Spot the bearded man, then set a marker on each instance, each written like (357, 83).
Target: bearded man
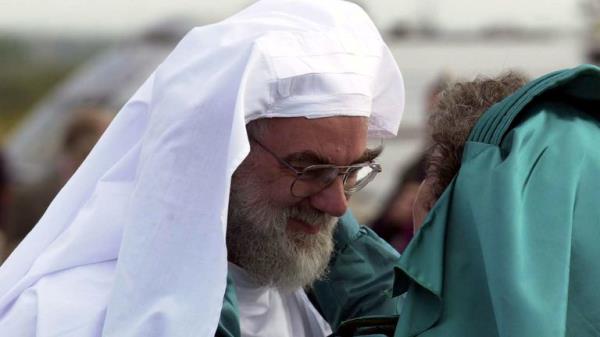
(286, 198)
(508, 211)
(284, 211)
(216, 201)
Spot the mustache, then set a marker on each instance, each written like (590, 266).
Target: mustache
(311, 216)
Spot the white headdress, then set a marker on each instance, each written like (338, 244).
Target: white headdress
(134, 244)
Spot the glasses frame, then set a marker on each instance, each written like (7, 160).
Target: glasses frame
(343, 171)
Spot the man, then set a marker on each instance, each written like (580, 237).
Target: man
(285, 201)
(255, 127)
(508, 212)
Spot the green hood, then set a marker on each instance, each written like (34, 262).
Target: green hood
(512, 247)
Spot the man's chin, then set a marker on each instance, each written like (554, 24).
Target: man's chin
(285, 248)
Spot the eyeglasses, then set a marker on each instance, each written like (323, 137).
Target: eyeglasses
(315, 178)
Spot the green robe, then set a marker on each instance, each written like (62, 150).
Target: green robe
(358, 285)
(512, 247)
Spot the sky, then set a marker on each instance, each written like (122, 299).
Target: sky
(127, 16)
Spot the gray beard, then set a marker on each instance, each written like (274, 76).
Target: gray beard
(259, 242)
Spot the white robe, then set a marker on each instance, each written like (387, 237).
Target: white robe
(269, 312)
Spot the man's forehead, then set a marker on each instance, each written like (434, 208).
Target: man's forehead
(312, 158)
(336, 140)
(326, 125)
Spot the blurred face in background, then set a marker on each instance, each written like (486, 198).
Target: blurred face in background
(80, 137)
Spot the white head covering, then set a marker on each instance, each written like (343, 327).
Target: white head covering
(134, 244)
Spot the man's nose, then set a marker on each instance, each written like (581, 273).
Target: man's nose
(331, 200)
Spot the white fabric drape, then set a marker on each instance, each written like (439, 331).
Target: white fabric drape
(134, 244)
(269, 312)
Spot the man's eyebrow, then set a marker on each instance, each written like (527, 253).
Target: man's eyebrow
(308, 157)
(369, 155)
(312, 158)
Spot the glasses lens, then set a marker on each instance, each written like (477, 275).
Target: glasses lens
(313, 179)
(359, 177)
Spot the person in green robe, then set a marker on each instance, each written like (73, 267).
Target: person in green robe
(509, 238)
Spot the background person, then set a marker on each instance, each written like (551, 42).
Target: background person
(395, 223)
